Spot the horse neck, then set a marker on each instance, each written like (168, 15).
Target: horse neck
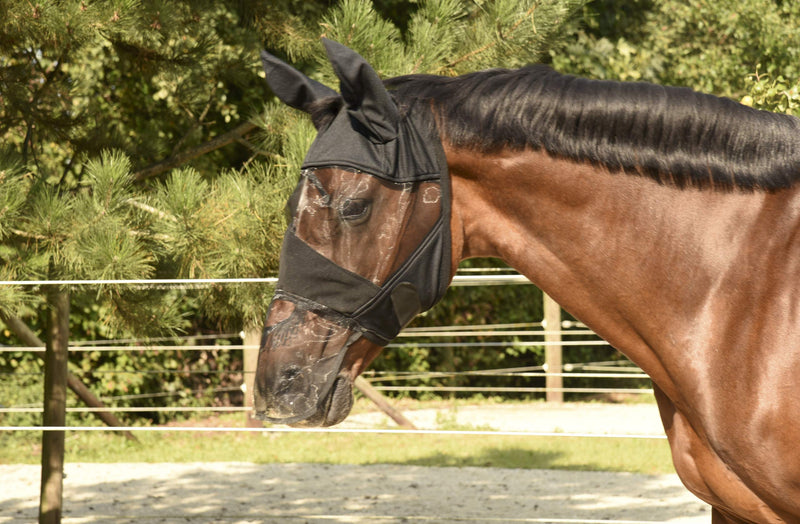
(621, 252)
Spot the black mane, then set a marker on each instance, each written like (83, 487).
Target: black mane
(674, 135)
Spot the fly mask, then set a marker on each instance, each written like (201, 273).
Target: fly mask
(368, 247)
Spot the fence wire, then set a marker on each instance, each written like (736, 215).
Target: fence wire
(381, 381)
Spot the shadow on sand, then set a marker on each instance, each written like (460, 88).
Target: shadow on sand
(245, 492)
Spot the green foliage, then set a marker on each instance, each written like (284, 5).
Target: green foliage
(146, 78)
(12, 198)
(451, 36)
(230, 227)
(21, 386)
(712, 46)
(91, 94)
(357, 25)
(102, 239)
(95, 231)
(778, 95)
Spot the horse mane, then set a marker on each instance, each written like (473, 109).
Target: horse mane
(673, 135)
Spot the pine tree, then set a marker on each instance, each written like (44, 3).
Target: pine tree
(149, 81)
(113, 118)
(90, 94)
(139, 140)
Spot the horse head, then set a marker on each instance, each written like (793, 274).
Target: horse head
(368, 246)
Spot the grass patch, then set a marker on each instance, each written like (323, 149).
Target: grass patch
(571, 453)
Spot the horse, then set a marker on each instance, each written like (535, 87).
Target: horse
(666, 220)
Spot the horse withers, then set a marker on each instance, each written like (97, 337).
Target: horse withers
(665, 219)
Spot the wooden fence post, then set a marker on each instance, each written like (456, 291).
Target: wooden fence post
(251, 339)
(55, 406)
(553, 350)
(379, 400)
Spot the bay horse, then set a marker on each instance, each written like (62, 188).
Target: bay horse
(666, 220)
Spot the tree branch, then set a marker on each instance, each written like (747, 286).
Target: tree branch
(453, 63)
(27, 336)
(190, 154)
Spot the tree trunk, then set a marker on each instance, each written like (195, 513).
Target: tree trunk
(55, 405)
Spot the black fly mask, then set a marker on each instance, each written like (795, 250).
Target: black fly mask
(368, 246)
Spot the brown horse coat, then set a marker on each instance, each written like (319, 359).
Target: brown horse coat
(664, 219)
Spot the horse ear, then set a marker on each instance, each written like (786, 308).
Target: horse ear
(292, 87)
(367, 99)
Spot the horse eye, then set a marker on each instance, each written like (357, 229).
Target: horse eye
(355, 211)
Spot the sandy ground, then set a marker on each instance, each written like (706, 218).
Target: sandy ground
(310, 493)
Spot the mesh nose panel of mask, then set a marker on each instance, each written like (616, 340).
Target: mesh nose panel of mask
(302, 352)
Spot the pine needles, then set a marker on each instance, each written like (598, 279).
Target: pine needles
(91, 92)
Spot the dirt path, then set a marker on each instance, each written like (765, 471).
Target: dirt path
(311, 493)
(245, 493)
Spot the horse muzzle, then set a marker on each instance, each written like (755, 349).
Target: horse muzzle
(299, 377)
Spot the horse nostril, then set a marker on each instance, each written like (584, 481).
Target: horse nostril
(291, 372)
(287, 380)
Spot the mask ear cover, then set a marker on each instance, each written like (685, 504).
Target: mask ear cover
(367, 100)
(292, 87)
